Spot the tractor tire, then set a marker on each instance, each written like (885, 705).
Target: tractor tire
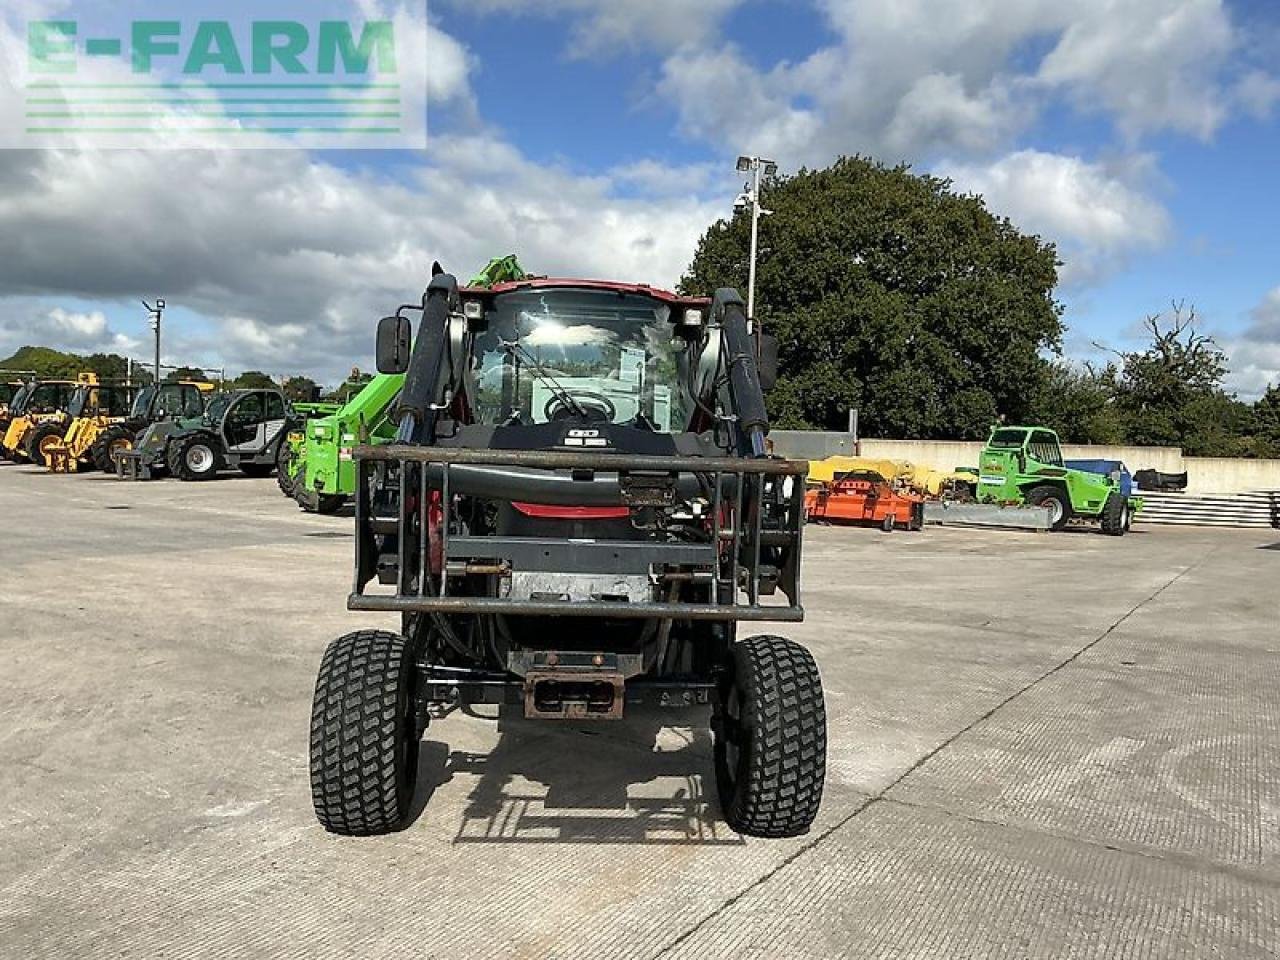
(364, 735)
(284, 469)
(195, 457)
(1115, 516)
(1056, 501)
(42, 437)
(771, 739)
(257, 469)
(113, 440)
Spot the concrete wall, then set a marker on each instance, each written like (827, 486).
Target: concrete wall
(1223, 475)
(1205, 474)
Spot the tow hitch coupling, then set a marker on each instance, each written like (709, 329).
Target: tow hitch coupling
(575, 686)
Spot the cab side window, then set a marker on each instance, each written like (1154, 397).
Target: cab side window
(248, 410)
(192, 404)
(1044, 447)
(274, 407)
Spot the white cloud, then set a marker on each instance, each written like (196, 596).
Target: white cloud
(1257, 92)
(29, 322)
(293, 260)
(1094, 216)
(1152, 64)
(916, 79)
(1255, 354)
(602, 27)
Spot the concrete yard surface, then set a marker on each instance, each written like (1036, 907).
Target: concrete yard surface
(1041, 745)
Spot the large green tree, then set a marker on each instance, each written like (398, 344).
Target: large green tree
(892, 293)
(253, 380)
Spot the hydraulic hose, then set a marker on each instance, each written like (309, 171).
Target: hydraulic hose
(416, 408)
(744, 374)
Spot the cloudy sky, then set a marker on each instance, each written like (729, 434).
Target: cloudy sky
(597, 138)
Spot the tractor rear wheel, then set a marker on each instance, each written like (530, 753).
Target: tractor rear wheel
(42, 440)
(1055, 500)
(364, 735)
(113, 440)
(1115, 516)
(195, 457)
(771, 739)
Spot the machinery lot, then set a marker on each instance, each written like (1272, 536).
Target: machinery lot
(1040, 745)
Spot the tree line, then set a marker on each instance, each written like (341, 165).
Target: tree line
(893, 294)
(58, 365)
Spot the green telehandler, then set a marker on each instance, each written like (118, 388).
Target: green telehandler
(315, 466)
(1024, 467)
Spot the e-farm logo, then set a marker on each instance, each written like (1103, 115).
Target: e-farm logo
(248, 82)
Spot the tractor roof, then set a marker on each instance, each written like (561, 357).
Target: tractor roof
(564, 283)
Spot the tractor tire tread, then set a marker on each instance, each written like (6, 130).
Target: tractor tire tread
(1113, 516)
(357, 785)
(782, 784)
(100, 452)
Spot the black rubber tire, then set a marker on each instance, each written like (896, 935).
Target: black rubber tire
(257, 469)
(888, 523)
(39, 436)
(312, 501)
(1114, 516)
(1040, 496)
(773, 786)
(176, 457)
(114, 438)
(364, 735)
(284, 466)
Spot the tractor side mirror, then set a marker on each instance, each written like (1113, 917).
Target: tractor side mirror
(394, 336)
(768, 361)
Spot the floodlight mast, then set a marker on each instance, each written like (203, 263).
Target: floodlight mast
(156, 314)
(758, 168)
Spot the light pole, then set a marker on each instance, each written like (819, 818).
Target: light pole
(750, 196)
(156, 314)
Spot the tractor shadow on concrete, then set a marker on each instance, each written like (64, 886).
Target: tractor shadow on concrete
(647, 779)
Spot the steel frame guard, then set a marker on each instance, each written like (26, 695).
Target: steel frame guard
(409, 600)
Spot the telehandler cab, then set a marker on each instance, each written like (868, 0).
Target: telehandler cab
(240, 430)
(92, 412)
(154, 404)
(42, 403)
(576, 514)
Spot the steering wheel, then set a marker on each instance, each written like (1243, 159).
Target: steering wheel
(597, 407)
